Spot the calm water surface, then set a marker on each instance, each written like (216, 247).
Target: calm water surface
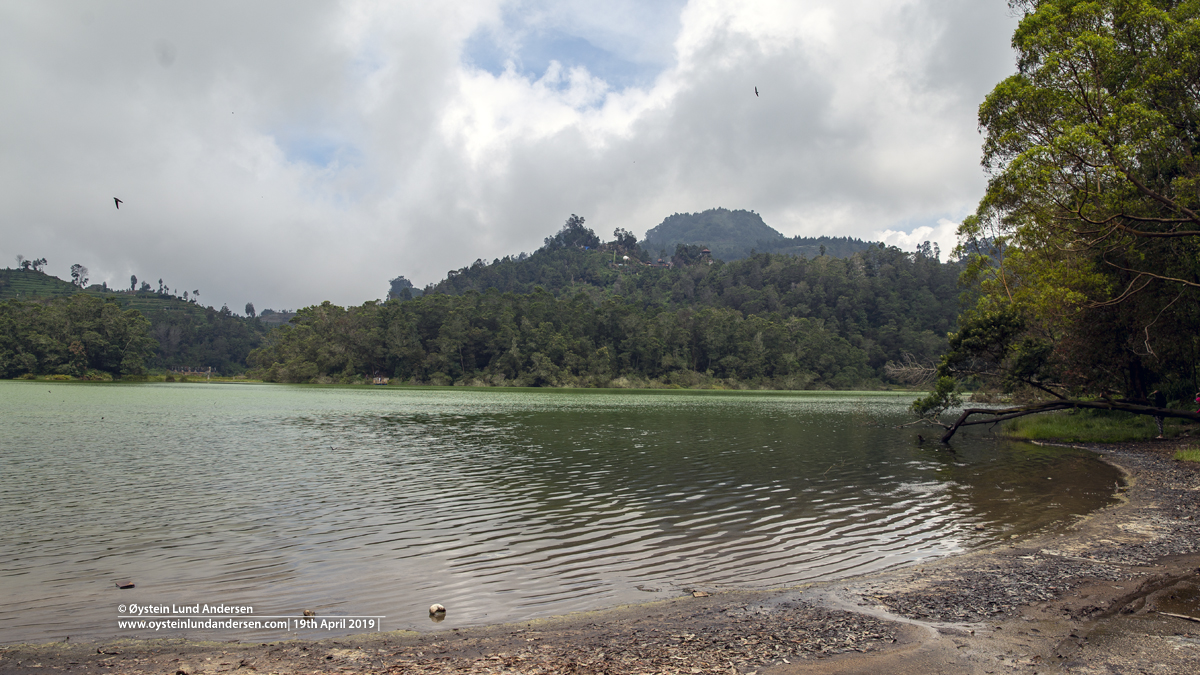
(501, 505)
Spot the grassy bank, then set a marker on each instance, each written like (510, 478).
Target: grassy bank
(1093, 426)
(154, 377)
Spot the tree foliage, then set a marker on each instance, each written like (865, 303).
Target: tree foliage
(79, 275)
(80, 336)
(397, 286)
(574, 234)
(1085, 245)
(201, 337)
(765, 321)
(27, 264)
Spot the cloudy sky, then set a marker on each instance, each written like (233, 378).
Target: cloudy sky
(286, 153)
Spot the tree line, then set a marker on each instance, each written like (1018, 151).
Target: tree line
(570, 316)
(182, 332)
(78, 336)
(578, 312)
(90, 336)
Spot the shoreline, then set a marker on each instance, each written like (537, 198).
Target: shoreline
(1103, 594)
(888, 390)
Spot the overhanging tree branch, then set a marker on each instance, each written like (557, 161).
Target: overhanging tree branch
(1001, 414)
(1151, 274)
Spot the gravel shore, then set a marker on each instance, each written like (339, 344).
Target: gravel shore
(1116, 592)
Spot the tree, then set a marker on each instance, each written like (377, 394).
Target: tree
(77, 336)
(132, 282)
(574, 234)
(206, 338)
(20, 261)
(1085, 249)
(79, 275)
(625, 240)
(38, 264)
(249, 308)
(1091, 144)
(397, 287)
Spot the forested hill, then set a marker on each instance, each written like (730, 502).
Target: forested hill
(771, 321)
(563, 271)
(732, 235)
(180, 333)
(575, 259)
(579, 312)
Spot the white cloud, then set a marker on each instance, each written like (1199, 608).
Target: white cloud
(943, 234)
(287, 153)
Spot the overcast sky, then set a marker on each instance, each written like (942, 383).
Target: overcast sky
(286, 153)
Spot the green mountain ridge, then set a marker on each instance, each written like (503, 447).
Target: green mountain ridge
(575, 259)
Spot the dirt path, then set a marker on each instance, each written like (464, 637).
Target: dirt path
(1103, 596)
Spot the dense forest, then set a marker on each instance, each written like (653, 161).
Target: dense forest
(78, 336)
(202, 337)
(567, 263)
(183, 333)
(577, 313)
(572, 260)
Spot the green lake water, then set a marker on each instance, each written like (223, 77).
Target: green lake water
(499, 504)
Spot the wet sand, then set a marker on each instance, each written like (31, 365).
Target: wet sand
(1115, 592)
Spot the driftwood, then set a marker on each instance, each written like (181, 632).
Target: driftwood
(1001, 414)
(1181, 616)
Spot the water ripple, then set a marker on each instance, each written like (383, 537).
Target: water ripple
(500, 505)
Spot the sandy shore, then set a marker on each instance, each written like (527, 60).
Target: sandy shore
(1112, 593)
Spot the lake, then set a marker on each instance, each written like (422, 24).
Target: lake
(499, 504)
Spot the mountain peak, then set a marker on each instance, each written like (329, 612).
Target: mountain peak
(734, 234)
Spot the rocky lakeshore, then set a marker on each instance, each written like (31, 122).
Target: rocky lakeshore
(1115, 592)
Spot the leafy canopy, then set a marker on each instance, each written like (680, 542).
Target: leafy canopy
(1085, 245)
(573, 234)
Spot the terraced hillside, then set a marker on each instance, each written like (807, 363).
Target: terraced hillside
(30, 285)
(189, 335)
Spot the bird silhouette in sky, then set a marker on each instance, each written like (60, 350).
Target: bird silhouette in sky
(117, 202)
(756, 91)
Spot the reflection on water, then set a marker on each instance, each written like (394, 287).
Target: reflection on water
(500, 505)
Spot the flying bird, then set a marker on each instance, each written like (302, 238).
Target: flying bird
(117, 202)
(756, 91)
